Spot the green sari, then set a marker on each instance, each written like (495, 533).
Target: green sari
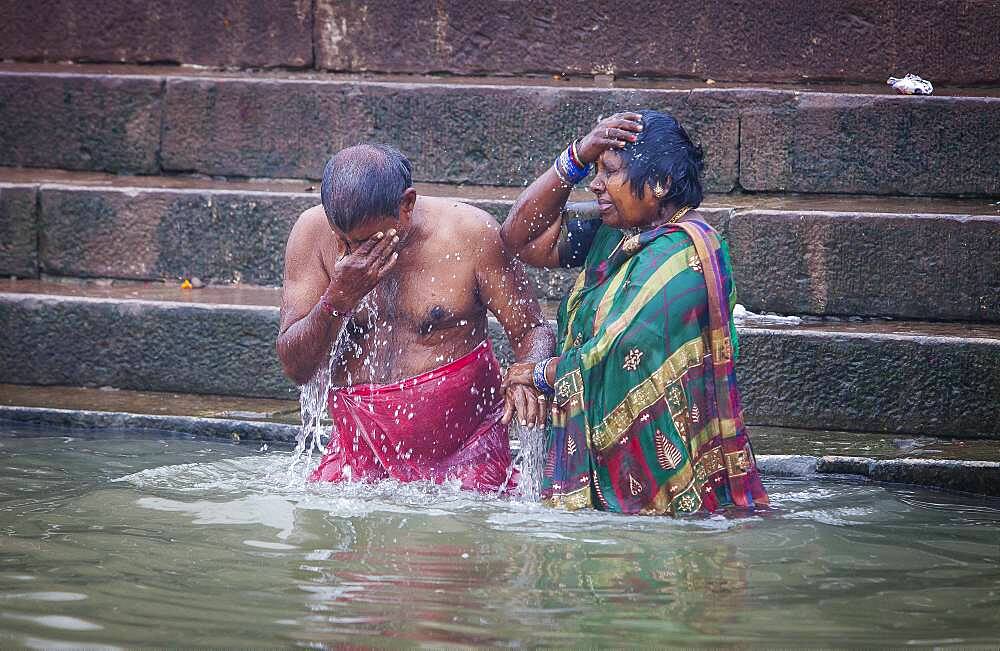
(648, 417)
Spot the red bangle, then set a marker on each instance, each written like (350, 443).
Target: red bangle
(328, 308)
(575, 156)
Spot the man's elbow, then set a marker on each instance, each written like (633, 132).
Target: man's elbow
(289, 368)
(539, 334)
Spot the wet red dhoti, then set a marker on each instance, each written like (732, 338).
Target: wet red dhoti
(440, 425)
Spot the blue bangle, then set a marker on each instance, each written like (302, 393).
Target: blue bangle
(567, 168)
(538, 377)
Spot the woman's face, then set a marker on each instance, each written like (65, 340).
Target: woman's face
(619, 207)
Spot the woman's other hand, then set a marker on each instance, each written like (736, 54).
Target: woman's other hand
(521, 397)
(610, 133)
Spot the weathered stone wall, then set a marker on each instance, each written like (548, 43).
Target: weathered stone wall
(950, 42)
(204, 32)
(726, 40)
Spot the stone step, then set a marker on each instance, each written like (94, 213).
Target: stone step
(151, 403)
(916, 378)
(158, 120)
(75, 406)
(910, 258)
(777, 40)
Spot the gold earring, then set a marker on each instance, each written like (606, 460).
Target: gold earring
(658, 190)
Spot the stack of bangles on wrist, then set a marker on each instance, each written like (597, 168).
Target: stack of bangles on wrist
(538, 377)
(569, 168)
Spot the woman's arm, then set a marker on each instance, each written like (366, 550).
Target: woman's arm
(533, 227)
(531, 230)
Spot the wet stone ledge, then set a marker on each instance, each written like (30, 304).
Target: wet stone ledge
(813, 379)
(231, 429)
(980, 477)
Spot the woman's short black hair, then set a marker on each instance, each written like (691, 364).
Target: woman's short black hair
(363, 183)
(664, 150)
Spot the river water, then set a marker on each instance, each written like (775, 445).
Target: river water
(127, 539)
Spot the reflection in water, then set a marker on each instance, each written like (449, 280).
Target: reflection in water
(152, 541)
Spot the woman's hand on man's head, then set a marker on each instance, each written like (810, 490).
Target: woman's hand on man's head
(610, 133)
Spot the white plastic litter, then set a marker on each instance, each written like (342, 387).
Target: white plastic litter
(911, 85)
(742, 316)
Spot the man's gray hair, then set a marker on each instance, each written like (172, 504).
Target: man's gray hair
(364, 183)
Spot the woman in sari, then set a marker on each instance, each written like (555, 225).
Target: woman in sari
(646, 415)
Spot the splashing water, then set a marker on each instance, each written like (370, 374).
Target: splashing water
(312, 406)
(532, 451)
(316, 432)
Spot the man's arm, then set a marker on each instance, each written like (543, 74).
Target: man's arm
(506, 292)
(314, 302)
(306, 333)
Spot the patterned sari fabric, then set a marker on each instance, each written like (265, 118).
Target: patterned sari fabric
(648, 416)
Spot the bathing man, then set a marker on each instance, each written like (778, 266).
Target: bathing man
(409, 280)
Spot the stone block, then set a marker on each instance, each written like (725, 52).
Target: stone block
(80, 122)
(841, 465)
(873, 145)
(871, 382)
(223, 428)
(217, 236)
(210, 33)
(786, 465)
(480, 134)
(147, 345)
(18, 231)
(935, 267)
(726, 40)
(982, 477)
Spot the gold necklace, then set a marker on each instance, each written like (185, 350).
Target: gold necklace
(631, 242)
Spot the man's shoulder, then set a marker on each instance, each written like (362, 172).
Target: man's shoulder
(310, 238)
(310, 228)
(312, 219)
(462, 223)
(457, 214)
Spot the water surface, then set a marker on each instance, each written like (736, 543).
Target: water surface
(136, 539)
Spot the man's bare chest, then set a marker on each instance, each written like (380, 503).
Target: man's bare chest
(422, 300)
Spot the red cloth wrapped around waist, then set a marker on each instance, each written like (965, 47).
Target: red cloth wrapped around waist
(442, 424)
